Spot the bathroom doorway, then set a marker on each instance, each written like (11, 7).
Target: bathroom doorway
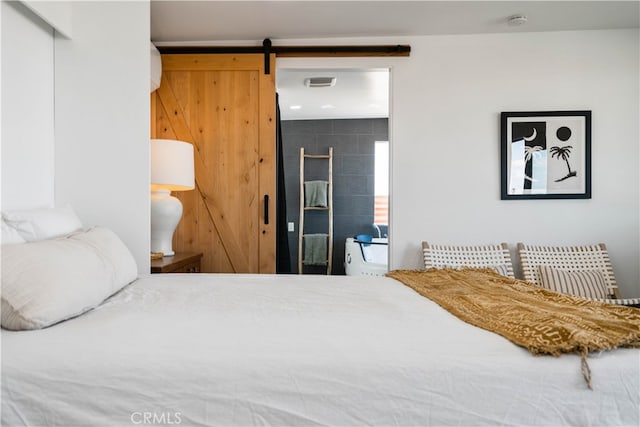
(347, 109)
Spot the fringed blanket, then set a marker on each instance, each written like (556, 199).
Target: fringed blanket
(542, 321)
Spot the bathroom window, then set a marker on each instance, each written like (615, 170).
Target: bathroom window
(381, 183)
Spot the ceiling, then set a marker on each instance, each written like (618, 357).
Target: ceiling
(190, 21)
(249, 22)
(357, 93)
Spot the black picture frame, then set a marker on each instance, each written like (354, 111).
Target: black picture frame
(545, 155)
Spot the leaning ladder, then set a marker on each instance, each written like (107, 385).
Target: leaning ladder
(304, 209)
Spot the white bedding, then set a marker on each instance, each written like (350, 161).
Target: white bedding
(244, 350)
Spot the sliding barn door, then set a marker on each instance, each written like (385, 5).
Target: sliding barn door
(225, 106)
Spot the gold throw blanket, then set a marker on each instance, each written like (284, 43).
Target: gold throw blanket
(542, 321)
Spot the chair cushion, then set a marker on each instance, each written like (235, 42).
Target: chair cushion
(501, 269)
(587, 284)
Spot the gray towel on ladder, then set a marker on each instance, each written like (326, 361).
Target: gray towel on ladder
(315, 194)
(315, 249)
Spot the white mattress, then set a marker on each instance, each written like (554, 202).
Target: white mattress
(245, 350)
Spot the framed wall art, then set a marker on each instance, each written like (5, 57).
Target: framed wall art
(546, 155)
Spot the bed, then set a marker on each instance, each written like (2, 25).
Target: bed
(244, 350)
(85, 342)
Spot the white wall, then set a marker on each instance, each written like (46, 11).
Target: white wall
(445, 139)
(55, 13)
(27, 109)
(446, 128)
(102, 120)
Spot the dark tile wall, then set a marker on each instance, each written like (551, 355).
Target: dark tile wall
(353, 142)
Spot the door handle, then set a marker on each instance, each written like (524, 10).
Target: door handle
(266, 209)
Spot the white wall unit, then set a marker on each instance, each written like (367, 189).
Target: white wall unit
(102, 120)
(445, 139)
(27, 109)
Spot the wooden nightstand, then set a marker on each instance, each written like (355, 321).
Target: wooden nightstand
(181, 262)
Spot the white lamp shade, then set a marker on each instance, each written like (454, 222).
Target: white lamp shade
(171, 165)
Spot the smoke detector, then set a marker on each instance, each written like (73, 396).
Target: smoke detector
(320, 81)
(517, 20)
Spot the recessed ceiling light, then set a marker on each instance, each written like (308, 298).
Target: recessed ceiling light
(517, 20)
(295, 107)
(327, 106)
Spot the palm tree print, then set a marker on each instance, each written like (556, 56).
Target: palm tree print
(563, 153)
(528, 155)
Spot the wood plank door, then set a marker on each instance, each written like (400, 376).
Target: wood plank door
(225, 106)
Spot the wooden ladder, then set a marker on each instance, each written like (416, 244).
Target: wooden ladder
(304, 209)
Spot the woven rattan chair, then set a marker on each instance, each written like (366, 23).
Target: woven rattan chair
(444, 256)
(572, 259)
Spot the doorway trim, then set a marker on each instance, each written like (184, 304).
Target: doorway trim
(356, 63)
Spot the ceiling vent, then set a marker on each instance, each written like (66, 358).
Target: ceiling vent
(320, 81)
(517, 20)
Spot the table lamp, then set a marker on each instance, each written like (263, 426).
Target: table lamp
(171, 170)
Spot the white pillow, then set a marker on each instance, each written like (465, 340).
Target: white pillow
(44, 223)
(10, 235)
(52, 280)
